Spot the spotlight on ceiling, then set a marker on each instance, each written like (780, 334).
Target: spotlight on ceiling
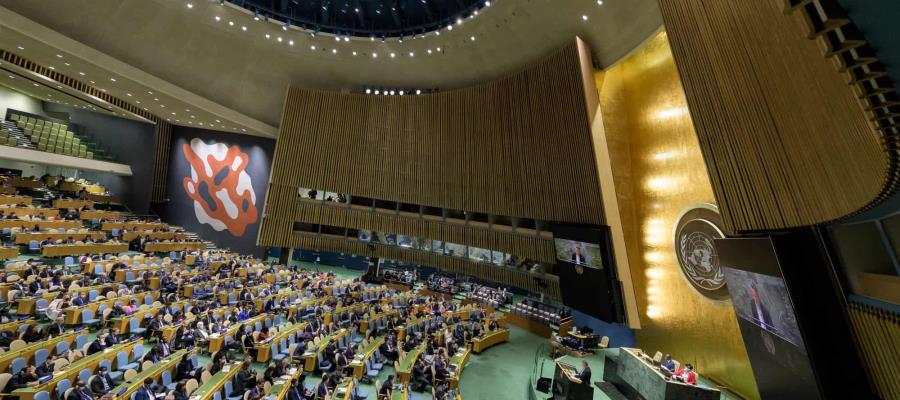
(368, 91)
(285, 26)
(377, 91)
(189, 5)
(418, 91)
(401, 93)
(256, 16)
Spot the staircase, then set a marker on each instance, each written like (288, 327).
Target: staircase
(193, 236)
(16, 133)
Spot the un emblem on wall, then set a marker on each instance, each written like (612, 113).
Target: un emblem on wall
(695, 234)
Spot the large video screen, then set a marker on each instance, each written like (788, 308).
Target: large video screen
(579, 253)
(587, 277)
(766, 318)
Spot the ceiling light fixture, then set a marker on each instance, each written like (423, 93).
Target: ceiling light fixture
(354, 54)
(411, 54)
(333, 51)
(418, 91)
(189, 5)
(368, 91)
(279, 39)
(285, 26)
(584, 17)
(377, 91)
(313, 47)
(243, 28)
(218, 18)
(393, 55)
(291, 42)
(230, 23)
(472, 38)
(20, 47)
(59, 56)
(81, 73)
(112, 79)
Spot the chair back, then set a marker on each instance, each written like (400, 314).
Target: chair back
(62, 386)
(42, 395)
(129, 374)
(4, 379)
(60, 363)
(17, 344)
(17, 365)
(146, 365)
(191, 386)
(205, 376)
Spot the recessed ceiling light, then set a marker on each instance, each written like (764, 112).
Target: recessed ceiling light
(243, 28)
(418, 91)
(487, 3)
(112, 79)
(93, 83)
(218, 121)
(279, 39)
(20, 47)
(67, 64)
(401, 93)
(374, 55)
(291, 42)
(268, 36)
(162, 106)
(137, 102)
(189, 5)
(346, 38)
(438, 49)
(244, 130)
(429, 51)
(393, 55)
(312, 47)
(230, 23)
(155, 99)
(128, 94)
(368, 91)
(584, 17)
(333, 51)
(599, 2)
(411, 54)
(337, 38)
(81, 73)
(59, 56)
(354, 54)
(173, 113)
(472, 38)
(149, 92)
(51, 68)
(218, 18)
(193, 116)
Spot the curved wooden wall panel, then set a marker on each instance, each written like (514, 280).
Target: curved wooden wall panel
(783, 136)
(520, 146)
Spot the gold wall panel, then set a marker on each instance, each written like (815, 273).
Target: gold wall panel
(785, 138)
(659, 171)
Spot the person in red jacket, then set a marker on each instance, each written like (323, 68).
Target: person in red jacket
(686, 374)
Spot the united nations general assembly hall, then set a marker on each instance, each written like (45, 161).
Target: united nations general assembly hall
(449, 200)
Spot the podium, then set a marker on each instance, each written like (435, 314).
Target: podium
(567, 386)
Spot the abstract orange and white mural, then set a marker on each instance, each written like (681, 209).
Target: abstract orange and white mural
(220, 187)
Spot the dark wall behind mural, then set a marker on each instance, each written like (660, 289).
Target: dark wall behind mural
(180, 209)
(129, 142)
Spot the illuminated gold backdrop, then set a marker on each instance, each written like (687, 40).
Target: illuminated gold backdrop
(659, 171)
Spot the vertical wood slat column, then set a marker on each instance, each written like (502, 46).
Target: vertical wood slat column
(783, 135)
(161, 165)
(878, 334)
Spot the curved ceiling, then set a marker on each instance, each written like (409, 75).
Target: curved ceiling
(220, 54)
(380, 18)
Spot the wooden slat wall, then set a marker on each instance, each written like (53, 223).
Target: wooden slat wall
(784, 138)
(507, 276)
(161, 165)
(878, 335)
(519, 146)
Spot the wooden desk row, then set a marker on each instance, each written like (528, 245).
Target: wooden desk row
(217, 382)
(87, 248)
(26, 237)
(404, 370)
(21, 211)
(154, 247)
(73, 314)
(99, 214)
(30, 224)
(28, 305)
(310, 356)
(122, 323)
(133, 226)
(125, 389)
(217, 340)
(264, 350)
(28, 351)
(5, 199)
(8, 253)
(72, 203)
(490, 339)
(71, 371)
(167, 235)
(359, 361)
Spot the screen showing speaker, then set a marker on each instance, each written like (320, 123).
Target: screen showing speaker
(587, 277)
(766, 318)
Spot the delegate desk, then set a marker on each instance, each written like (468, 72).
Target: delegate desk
(216, 340)
(71, 371)
(310, 357)
(72, 315)
(217, 382)
(125, 389)
(76, 187)
(143, 314)
(281, 386)
(72, 203)
(133, 226)
(20, 211)
(457, 363)
(168, 330)
(12, 327)
(24, 183)
(99, 214)
(172, 246)
(86, 248)
(635, 375)
(28, 305)
(489, 339)
(264, 349)
(15, 199)
(7, 253)
(167, 235)
(343, 390)
(359, 360)
(404, 370)
(26, 237)
(28, 351)
(28, 225)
